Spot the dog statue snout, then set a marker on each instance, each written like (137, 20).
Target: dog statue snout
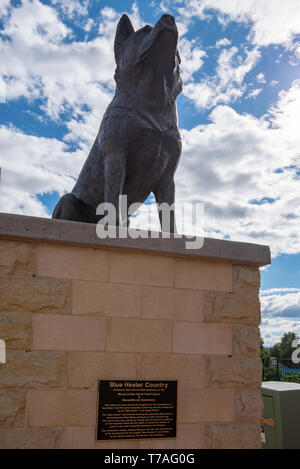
(170, 20)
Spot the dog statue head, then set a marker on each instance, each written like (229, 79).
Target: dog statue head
(148, 62)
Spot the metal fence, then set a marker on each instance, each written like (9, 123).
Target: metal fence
(277, 369)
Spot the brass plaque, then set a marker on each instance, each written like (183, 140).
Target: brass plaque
(136, 409)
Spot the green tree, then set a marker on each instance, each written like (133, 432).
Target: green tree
(283, 352)
(287, 349)
(264, 353)
(275, 351)
(265, 358)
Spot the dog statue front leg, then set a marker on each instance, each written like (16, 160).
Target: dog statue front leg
(114, 176)
(165, 198)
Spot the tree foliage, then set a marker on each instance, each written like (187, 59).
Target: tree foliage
(282, 351)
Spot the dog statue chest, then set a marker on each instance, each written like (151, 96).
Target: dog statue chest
(153, 150)
(145, 135)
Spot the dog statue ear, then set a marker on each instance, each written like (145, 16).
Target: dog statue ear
(124, 30)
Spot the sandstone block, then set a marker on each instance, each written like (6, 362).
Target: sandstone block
(12, 408)
(31, 438)
(141, 269)
(247, 274)
(201, 338)
(171, 303)
(232, 436)
(188, 370)
(15, 329)
(246, 341)
(232, 308)
(199, 405)
(67, 332)
(203, 275)
(61, 407)
(138, 335)
(86, 368)
(33, 369)
(72, 262)
(230, 372)
(248, 405)
(246, 279)
(106, 299)
(34, 295)
(17, 258)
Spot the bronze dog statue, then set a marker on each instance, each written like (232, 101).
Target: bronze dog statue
(138, 145)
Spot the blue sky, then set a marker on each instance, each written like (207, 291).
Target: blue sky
(238, 114)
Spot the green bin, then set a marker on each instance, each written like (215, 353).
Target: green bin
(280, 424)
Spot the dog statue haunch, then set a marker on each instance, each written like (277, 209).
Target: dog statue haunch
(138, 145)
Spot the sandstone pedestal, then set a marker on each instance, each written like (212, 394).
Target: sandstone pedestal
(75, 309)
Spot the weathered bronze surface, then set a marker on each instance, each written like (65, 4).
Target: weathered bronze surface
(138, 145)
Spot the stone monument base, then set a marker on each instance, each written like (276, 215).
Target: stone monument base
(76, 309)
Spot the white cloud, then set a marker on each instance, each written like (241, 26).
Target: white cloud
(34, 24)
(276, 303)
(297, 50)
(280, 314)
(232, 68)
(261, 78)
(227, 84)
(271, 22)
(4, 7)
(272, 329)
(37, 63)
(222, 42)
(233, 166)
(72, 8)
(31, 165)
(191, 58)
(254, 93)
(279, 290)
